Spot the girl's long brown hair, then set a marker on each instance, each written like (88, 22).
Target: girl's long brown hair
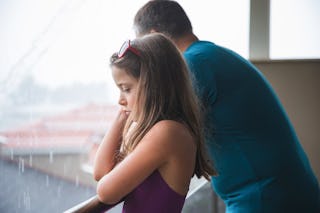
(164, 93)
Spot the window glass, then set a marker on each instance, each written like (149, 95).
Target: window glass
(225, 23)
(294, 29)
(57, 97)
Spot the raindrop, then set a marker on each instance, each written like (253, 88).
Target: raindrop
(51, 157)
(21, 165)
(11, 154)
(77, 180)
(19, 202)
(26, 200)
(59, 191)
(64, 169)
(47, 180)
(30, 160)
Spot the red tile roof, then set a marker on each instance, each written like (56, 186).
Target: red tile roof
(75, 130)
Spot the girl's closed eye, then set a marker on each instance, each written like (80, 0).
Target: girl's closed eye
(125, 89)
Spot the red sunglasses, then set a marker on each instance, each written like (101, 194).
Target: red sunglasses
(125, 47)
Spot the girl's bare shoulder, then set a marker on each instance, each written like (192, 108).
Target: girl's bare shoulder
(169, 133)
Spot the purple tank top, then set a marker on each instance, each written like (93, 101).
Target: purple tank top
(153, 195)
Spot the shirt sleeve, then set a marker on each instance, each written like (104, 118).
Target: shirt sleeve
(202, 75)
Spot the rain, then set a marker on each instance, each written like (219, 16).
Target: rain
(57, 96)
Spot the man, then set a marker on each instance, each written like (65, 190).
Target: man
(260, 163)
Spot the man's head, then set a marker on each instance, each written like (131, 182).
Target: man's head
(164, 16)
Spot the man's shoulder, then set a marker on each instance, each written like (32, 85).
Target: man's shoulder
(200, 46)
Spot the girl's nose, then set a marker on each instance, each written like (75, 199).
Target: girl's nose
(122, 101)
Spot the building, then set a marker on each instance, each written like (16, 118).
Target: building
(48, 159)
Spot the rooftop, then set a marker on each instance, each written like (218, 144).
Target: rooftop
(69, 132)
(41, 161)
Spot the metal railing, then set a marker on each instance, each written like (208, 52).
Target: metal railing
(92, 205)
(200, 199)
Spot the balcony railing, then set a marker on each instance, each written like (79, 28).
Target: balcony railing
(91, 205)
(200, 198)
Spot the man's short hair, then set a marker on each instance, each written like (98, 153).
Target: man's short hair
(163, 16)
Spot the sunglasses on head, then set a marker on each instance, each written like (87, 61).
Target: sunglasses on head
(125, 48)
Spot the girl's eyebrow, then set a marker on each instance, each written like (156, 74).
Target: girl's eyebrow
(123, 84)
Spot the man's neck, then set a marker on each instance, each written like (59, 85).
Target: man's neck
(184, 42)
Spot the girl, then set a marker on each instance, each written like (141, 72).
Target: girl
(156, 143)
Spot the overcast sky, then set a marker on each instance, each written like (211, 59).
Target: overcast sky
(64, 41)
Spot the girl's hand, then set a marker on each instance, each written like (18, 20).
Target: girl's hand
(123, 115)
(105, 156)
(121, 119)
